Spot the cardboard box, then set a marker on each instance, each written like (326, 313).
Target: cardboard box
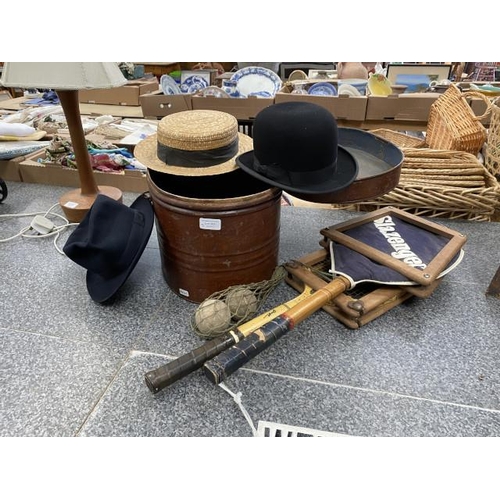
(343, 107)
(160, 105)
(51, 173)
(9, 169)
(404, 107)
(242, 109)
(5, 95)
(116, 136)
(127, 95)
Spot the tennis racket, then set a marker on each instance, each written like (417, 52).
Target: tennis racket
(171, 372)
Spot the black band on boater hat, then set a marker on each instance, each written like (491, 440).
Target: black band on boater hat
(204, 158)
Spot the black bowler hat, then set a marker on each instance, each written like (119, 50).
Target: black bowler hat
(295, 147)
(109, 242)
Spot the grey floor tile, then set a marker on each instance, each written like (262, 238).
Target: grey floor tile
(354, 411)
(169, 331)
(188, 409)
(50, 385)
(422, 348)
(194, 407)
(44, 291)
(48, 294)
(429, 367)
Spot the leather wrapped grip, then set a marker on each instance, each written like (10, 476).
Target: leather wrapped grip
(227, 362)
(165, 375)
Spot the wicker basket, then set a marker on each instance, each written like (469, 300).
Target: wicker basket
(439, 183)
(492, 148)
(398, 138)
(453, 125)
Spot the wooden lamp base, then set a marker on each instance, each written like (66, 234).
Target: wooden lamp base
(75, 204)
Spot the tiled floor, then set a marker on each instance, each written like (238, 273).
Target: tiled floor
(71, 367)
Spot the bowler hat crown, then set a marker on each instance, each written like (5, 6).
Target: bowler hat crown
(297, 136)
(296, 148)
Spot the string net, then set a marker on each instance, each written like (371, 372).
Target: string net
(227, 309)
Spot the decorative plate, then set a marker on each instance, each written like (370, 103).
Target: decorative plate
(322, 88)
(297, 74)
(212, 91)
(347, 89)
(168, 85)
(193, 84)
(359, 83)
(379, 85)
(255, 79)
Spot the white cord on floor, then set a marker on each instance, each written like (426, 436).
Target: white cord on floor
(55, 231)
(237, 399)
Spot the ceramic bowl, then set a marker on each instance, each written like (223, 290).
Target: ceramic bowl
(346, 89)
(398, 89)
(358, 83)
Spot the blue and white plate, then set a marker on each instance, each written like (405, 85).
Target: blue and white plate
(256, 80)
(212, 91)
(260, 93)
(169, 86)
(193, 84)
(322, 88)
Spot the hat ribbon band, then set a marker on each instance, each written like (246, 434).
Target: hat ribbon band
(295, 178)
(205, 158)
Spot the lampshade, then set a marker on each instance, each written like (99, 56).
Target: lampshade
(62, 75)
(67, 78)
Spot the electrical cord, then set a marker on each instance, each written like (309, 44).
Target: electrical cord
(41, 226)
(237, 400)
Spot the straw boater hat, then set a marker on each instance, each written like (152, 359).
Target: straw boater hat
(194, 143)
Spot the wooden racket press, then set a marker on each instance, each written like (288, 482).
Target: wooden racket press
(367, 301)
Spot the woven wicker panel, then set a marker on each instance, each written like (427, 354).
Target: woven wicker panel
(398, 138)
(453, 125)
(492, 149)
(447, 184)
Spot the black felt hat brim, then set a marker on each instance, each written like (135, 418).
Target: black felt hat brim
(344, 175)
(101, 289)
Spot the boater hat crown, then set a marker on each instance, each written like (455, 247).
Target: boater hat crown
(194, 143)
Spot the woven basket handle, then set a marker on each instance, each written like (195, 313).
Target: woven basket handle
(472, 93)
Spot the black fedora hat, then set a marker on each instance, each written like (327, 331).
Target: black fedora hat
(109, 242)
(295, 148)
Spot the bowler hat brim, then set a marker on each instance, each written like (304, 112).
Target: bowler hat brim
(100, 288)
(343, 176)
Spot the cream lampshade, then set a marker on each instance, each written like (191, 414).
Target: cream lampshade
(66, 78)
